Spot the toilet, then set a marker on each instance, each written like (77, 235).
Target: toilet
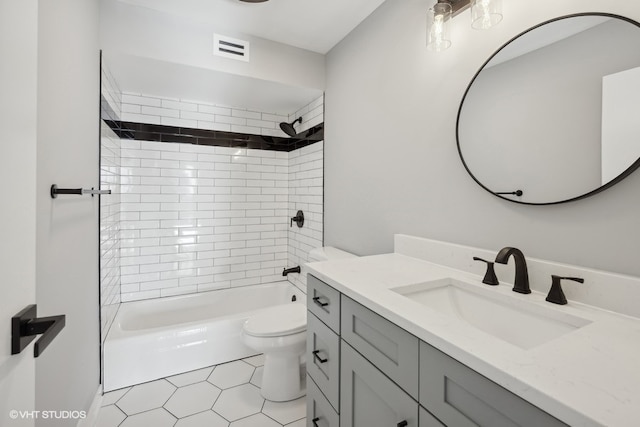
(280, 332)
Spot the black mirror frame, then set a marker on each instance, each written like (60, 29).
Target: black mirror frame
(609, 184)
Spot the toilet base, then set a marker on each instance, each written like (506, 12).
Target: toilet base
(283, 378)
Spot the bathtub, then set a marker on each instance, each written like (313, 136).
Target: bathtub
(157, 338)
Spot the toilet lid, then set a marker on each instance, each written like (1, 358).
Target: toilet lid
(284, 319)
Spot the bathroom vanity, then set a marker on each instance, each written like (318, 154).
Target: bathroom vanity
(399, 340)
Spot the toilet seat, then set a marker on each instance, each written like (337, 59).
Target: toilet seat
(279, 320)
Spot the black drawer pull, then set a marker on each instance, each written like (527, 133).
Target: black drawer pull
(318, 358)
(403, 424)
(321, 304)
(315, 421)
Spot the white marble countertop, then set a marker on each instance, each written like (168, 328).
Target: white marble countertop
(588, 377)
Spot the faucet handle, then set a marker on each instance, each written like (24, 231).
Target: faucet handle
(556, 295)
(298, 219)
(490, 277)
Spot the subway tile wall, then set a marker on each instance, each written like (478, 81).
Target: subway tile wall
(143, 108)
(312, 115)
(109, 204)
(109, 227)
(306, 191)
(198, 218)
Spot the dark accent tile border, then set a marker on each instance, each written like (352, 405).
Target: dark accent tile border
(161, 133)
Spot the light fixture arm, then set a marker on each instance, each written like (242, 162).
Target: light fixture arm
(457, 6)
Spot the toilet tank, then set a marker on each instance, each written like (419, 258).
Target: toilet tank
(328, 253)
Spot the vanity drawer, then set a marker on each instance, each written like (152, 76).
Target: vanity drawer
(323, 359)
(390, 348)
(461, 397)
(319, 411)
(324, 302)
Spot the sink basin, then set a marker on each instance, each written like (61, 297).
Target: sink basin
(510, 319)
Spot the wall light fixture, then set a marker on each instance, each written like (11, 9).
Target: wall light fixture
(484, 14)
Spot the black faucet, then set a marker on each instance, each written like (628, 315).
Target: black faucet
(556, 295)
(490, 277)
(291, 270)
(521, 284)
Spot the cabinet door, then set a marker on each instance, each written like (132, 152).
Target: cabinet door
(461, 397)
(428, 420)
(319, 411)
(323, 359)
(386, 345)
(324, 302)
(368, 398)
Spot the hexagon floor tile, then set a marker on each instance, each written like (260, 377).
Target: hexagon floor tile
(156, 418)
(110, 416)
(192, 377)
(255, 360)
(203, 419)
(202, 398)
(286, 412)
(231, 374)
(256, 379)
(300, 423)
(192, 399)
(239, 402)
(257, 420)
(145, 397)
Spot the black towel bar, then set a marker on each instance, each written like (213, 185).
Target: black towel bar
(79, 191)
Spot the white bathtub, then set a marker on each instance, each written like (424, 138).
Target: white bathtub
(161, 337)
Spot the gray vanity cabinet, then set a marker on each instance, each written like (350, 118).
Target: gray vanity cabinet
(387, 346)
(323, 358)
(461, 397)
(376, 374)
(369, 398)
(428, 420)
(319, 411)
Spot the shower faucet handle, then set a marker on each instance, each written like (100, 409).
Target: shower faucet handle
(298, 219)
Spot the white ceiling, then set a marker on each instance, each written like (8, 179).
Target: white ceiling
(315, 25)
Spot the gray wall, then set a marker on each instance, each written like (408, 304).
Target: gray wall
(67, 373)
(391, 160)
(18, 116)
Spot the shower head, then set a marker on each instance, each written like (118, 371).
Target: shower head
(288, 127)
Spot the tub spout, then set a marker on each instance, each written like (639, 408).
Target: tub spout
(291, 270)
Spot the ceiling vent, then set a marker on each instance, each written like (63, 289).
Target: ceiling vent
(230, 47)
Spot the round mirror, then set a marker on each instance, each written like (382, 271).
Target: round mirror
(553, 115)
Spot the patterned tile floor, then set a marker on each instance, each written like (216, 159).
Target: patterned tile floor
(226, 395)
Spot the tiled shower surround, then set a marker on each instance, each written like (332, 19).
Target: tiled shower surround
(198, 218)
